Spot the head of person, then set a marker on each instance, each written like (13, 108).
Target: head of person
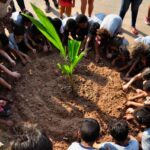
(146, 86)
(146, 74)
(32, 138)
(82, 21)
(89, 130)
(4, 42)
(142, 116)
(19, 32)
(70, 25)
(26, 21)
(145, 59)
(119, 130)
(57, 24)
(93, 28)
(103, 36)
(139, 50)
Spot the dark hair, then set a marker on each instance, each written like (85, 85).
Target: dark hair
(57, 24)
(146, 86)
(89, 130)
(142, 116)
(81, 19)
(146, 74)
(25, 19)
(4, 39)
(139, 50)
(104, 35)
(32, 139)
(18, 30)
(93, 28)
(119, 130)
(70, 24)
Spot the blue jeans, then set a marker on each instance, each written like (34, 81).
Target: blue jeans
(134, 9)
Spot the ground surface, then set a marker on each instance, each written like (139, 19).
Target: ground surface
(43, 95)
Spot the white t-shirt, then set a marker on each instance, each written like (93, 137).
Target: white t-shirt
(112, 23)
(17, 18)
(146, 139)
(132, 145)
(145, 40)
(78, 146)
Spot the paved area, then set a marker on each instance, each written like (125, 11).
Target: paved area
(107, 7)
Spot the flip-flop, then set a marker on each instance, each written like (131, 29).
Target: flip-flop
(134, 31)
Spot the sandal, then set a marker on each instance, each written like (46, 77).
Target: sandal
(134, 31)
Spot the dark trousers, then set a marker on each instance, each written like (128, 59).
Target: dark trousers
(47, 2)
(20, 4)
(134, 9)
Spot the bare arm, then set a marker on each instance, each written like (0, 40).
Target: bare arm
(27, 43)
(133, 65)
(4, 54)
(141, 95)
(136, 77)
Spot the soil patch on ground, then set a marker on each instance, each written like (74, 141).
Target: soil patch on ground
(43, 96)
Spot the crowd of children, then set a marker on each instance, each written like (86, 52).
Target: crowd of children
(102, 33)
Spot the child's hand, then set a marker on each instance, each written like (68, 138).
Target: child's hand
(13, 63)
(15, 74)
(130, 111)
(129, 103)
(34, 50)
(125, 87)
(128, 117)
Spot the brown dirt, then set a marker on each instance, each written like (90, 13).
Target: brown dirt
(44, 96)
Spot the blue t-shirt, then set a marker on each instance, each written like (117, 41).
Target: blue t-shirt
(112, 23)
(132, 145)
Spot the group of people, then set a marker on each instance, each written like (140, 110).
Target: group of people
(67, 5)
(88, 136)
(19, 39)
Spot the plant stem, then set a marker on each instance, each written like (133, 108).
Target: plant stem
(71, 82)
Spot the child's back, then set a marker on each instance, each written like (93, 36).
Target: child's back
(119, 131)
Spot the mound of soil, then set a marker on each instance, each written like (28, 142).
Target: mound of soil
(43, 96)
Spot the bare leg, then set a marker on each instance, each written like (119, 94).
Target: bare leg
(90, 7)
(62, 10)
(148, 15)
(147, 19)
(83, 6)
(9, 72)
(68, 11)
